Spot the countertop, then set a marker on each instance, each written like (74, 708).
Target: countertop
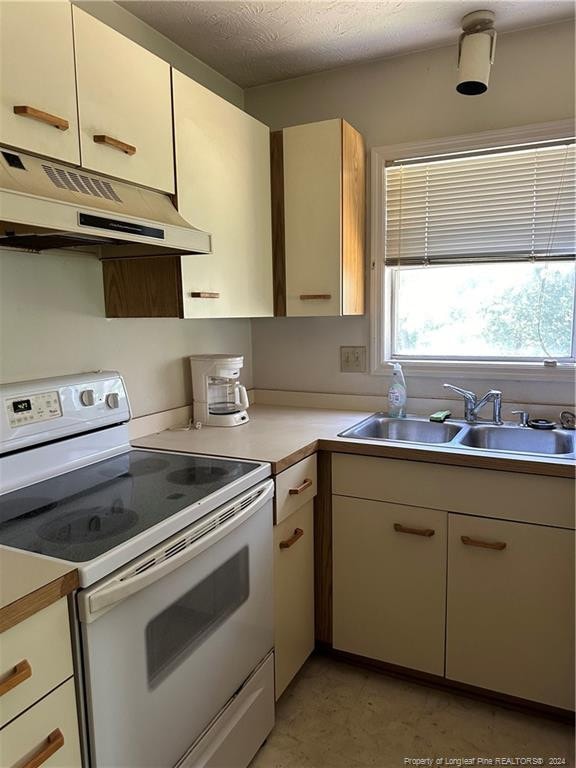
(29, 583)
(284, 435)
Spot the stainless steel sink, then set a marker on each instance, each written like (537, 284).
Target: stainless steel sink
(454, 435)
(380, 427)
(518, 440)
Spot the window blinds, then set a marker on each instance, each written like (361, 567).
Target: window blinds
(504, 206)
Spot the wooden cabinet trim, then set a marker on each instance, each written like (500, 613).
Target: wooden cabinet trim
(353, 220)
(278, 222)
(145, 287)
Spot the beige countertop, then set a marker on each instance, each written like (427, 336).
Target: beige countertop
(283, 435)
(29, 583)
(278, 434)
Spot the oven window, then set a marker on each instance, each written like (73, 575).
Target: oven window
(176, 632)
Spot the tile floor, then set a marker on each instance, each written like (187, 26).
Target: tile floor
(337, 716)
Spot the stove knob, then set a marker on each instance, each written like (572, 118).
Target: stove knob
(87, 397)
(113, 400)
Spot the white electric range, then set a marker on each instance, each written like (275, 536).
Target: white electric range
(174, 616)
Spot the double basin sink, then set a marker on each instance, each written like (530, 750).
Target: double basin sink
(509, 438)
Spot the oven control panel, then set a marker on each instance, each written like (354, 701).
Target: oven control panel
(34, 412)
(29, 409)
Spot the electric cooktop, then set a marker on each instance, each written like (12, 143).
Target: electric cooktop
(80, 515)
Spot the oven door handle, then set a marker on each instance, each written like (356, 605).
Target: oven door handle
(127, 583)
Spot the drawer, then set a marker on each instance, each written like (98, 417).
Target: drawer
(295, 486)
(293, 593)
(35, 657)
(47, 734)
(491, 493)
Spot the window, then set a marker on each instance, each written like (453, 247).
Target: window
(477, 252)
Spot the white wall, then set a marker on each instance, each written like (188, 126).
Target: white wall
(52, 322)
(408, 98)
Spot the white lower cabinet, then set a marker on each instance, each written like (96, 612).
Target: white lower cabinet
(294, 593)
(485, 602)
(510, 625)
(389, 571)
(46, 734)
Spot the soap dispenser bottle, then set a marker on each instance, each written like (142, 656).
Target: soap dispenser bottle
(397, 393)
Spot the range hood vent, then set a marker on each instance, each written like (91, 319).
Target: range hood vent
(45, 206)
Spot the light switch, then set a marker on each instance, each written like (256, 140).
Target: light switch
(353, 359)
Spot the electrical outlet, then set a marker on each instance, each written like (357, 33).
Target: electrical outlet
(353, 359)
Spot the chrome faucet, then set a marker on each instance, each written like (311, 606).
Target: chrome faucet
(472, 404)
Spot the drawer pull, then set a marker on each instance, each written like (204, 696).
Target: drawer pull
(22, 671)
(204, 295)
(301, 488)
(128, 149)
(500, 545)
(287, 543)
(44, 117)
(52, 744)
(414, 531)
(315, 296)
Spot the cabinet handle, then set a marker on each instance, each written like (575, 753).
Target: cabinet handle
(22, 671)
(301, 488)
(52, 743)
(204, 295)
(500, 545)
(315, 296)
(287, 543)
(128, 149)
(44, 117)
(414, 531)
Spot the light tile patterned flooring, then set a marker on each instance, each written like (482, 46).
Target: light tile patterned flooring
(337, 716)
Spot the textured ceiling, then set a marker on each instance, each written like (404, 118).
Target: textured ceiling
(260, 42)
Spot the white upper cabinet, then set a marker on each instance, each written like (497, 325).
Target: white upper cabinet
(37, 88)
(124, 104)
(223, 179)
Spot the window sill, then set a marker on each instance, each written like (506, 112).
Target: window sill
(470, 369)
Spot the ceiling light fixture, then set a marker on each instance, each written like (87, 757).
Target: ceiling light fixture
(476, 52)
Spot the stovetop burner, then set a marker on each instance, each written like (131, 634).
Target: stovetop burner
(139, 467)
(88, 511)
(197, 475)
(88, 525)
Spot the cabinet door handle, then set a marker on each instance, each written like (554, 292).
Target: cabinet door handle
(128, 149)
(287, 543)
(315, 296)
(22, 671)
(301, 488)
(500, 545)
(52, 743)
(44, 117)
(204, 295)
(414, 531)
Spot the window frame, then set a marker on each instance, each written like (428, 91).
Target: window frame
(381, 294)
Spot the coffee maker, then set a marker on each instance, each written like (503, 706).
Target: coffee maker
(219, 398)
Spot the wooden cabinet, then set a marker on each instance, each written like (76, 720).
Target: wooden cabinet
(46, 734)
(223, 173)
(500, 590)
(124, 105)
(294, 593)
(318, 207)
(38, 91)
(35, 657)
(510, 621)
(38, 714)
(389, 577)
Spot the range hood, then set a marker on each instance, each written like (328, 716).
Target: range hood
(45, 205)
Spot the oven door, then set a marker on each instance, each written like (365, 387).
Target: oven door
(169, 639)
